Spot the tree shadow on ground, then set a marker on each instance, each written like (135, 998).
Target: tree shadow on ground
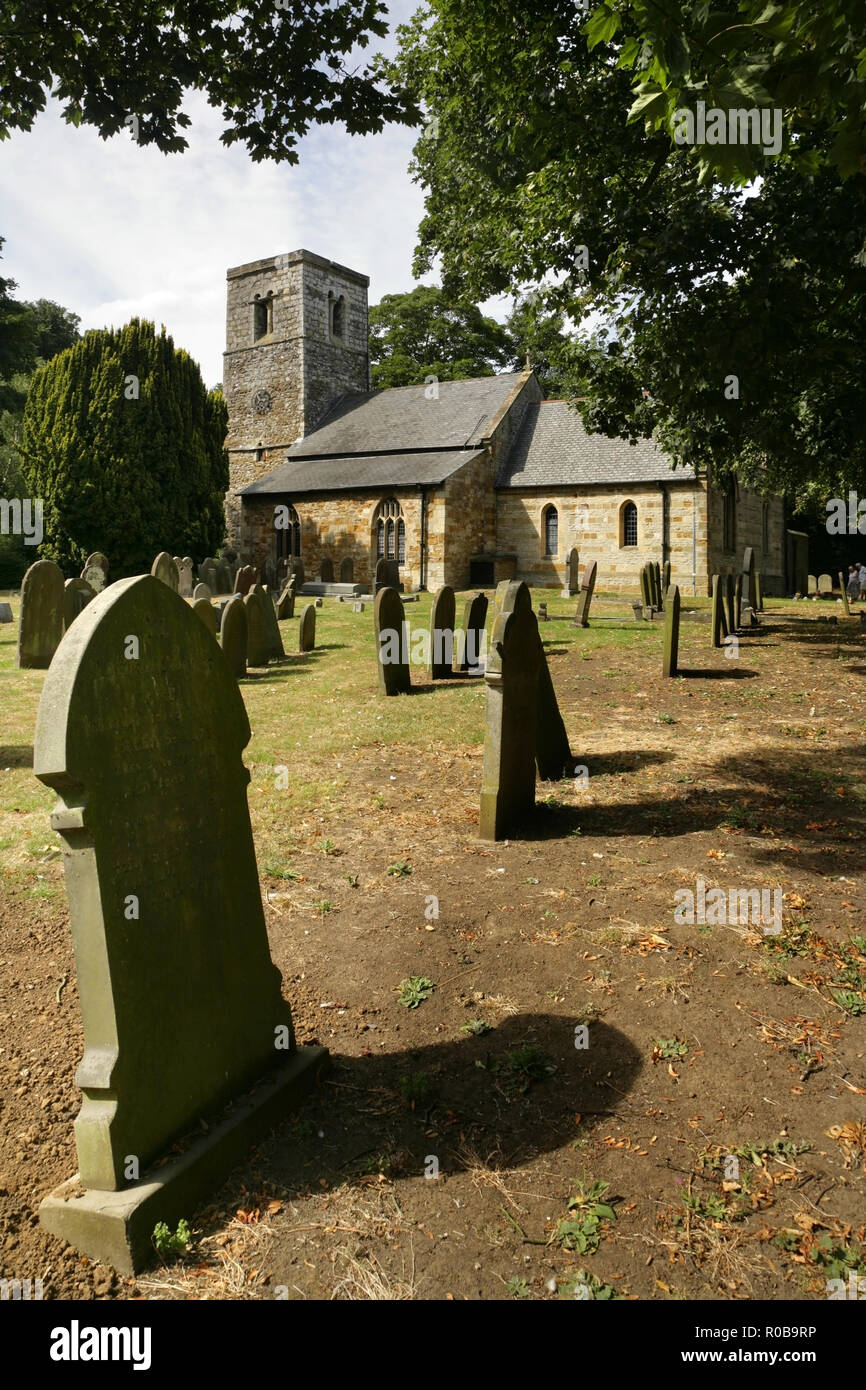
(515, 1091)
(16, 755)
(716, 673)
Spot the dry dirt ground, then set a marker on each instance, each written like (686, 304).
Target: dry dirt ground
(709, 1141)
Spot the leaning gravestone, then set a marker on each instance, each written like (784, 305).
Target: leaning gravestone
(276, 650)
(587, 589)
(572, 579)
(141, 731)
(185, 583)
(672, 633)
(164, 569)
(244, 579)
(392, 643)
(307, 628)
(552, 753)
(202, 591)
(40, 622)
(718, 624)
(233, 636)
(205, 611)
(77, 593)
(258, 646)
(286, 603)
(6, 613)
(845, 603)
(729, 604)
(442, 616)
(469, 638)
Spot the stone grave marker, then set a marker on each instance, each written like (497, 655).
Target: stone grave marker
(645, 587)
(276, 650)
(825, 584)
(738, 602)
(95, 572)
(717, 620)
(206, 613)
(666, 576)
(672, 633)
(40, 621)
(587, 589)
(759, 591)
(469, 638)
(244, 580)
(164, 569)
(258, 647)
(812, 584)
(392, 642)
(358, 606)
(286, 603)
(510, 722)
(542, 614)
(442, 618)
(6, 613)
(202, 591)
(749, 595)
(657, 586)
(842, 586)
(185, 584)
(181, 1004)
(728, 581)
(387, 575)
(307, 628)
(207, 574)
(77, 593)
(233, 635)
(319, 602)
(572, 576)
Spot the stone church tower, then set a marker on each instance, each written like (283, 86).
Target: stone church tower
(296, 341)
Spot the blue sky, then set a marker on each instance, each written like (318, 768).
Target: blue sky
(111, 230)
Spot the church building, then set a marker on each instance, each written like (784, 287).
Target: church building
(461, 482)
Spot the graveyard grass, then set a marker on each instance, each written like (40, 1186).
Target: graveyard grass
(704, 1041)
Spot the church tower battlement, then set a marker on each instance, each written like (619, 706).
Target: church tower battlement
(296, 341)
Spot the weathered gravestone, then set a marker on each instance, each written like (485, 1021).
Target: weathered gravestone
(358, 606)
(6, 613)
(141, 731)
(718, 625)
(587, 589)
(572, 574)
(95, 572)
(202, 591)
(825, 584)
(672, 633)
(40, 622)
(286, 603)
(842, 586)
(469, 638)
(268, 572)
(206, 613)
(657, 586)
(77, 593)
(442, 617)
(233, 636)
(646, 587)
(185, 582)
(244, 579)
(541, 614)
(276, 650)
(307, 628)
(728, 581)
(165, 570)
(258, 647)
(387, 575)
(738, 602)
(392, 642)
(207, 574)
(224, 579)
(749, 595)
(666, 576)
(759, 591)
(297, 573)
(813, 584)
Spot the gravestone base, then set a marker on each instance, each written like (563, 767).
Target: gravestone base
(116, 1228)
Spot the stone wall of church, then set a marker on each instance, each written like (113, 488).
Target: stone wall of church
(591, 520)
(765, 533)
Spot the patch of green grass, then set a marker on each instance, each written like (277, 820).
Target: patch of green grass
(412, 991)
(666, 719)
(594, 881)
(415, 1088)
(275, 871)
(853, 1004)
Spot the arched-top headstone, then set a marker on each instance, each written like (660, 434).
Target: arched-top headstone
(257, 633)
(141, 732)
(40, 622)
(95, 572)
(244, 579)
(205, 611)
(77, 593)
(307, 628)
(392, 642)
(510, 722)
(470, 636)
(326, 571)
(442, 617)
(164, 569)
(825, 584)
(233, 636)
(201, 591)
(185, 577)
(812, 584)
(347, 570)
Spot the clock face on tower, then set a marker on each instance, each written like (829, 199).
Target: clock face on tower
(262, 402)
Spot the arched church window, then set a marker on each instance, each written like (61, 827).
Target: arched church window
(263, 315)
(401, 542)
(629, 524)
(287, 530)
(390, 531)
(380, 539)
(551, 531)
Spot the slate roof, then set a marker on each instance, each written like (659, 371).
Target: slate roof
(359, 471)
(553, 449)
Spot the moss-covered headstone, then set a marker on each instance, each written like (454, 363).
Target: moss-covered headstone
(165, 569)
(77, 593)
(95, 572)
(233, 636)
(645, 587)
(40, 621)
(206, 613)
(141, 731)
(307, 628)
(587, 589)
(442, 617)
(392, 643)
(672, 633)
